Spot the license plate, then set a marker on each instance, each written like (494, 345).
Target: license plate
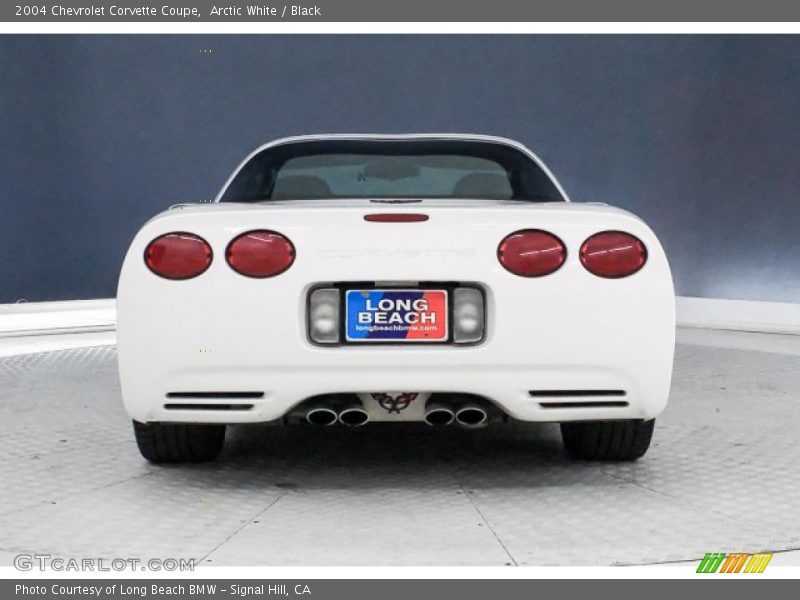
(396, 316)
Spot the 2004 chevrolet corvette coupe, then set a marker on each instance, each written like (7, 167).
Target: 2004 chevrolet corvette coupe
(444, 279)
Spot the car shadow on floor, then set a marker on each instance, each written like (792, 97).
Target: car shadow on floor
(380, 456)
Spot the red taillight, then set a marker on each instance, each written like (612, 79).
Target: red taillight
(532, 253)
(178, 255)
(260, 253)
(613, 254)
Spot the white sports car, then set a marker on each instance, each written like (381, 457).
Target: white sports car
(445, 279)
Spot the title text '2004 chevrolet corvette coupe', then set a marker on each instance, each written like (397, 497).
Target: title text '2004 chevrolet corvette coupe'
(444, 279)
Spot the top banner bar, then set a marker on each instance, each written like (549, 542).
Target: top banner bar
(466, 11)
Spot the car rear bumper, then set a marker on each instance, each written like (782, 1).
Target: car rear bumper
(259, 394)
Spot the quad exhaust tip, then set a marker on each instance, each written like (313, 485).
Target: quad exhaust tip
(472, 416)
(439, 416)
(354, 417)
(321, 415)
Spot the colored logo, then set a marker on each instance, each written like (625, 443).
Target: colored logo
(396, 403)
(736, 562)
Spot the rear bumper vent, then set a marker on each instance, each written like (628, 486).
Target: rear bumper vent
(215, 406)
(576, 393)
(216, 401)
(216, 395)
(580, 398)
(598, 404)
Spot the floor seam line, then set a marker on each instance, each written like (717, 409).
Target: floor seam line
(483, 518)
(239, 529)
(69, 497)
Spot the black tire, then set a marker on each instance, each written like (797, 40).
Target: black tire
(607, 440)
(176, 443)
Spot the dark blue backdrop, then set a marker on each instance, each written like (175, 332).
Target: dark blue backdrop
(698, 135)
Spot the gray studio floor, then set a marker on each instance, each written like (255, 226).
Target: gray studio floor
(723, 475)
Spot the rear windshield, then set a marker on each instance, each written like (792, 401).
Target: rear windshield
(381, 169)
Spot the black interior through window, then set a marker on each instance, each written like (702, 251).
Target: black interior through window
(385, 169)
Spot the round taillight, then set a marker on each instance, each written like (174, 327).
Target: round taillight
(532, 253)
(260, 253)
(178, 255)
(613, 254)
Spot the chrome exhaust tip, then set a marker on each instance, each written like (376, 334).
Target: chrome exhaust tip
(472, 416)
(438, 415)
(355, 416)
(321, 415)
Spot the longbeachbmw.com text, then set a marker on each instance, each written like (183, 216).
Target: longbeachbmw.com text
(160, 11)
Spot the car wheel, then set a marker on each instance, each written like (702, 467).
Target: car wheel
(607, 440)
(165, 443)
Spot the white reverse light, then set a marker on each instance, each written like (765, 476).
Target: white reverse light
(323, 316)
(468, 315)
